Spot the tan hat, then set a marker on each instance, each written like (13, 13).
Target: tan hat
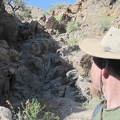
(108, 47)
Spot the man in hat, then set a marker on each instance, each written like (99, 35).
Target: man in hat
(105, 72)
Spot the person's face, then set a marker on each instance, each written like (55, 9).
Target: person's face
(96, 75)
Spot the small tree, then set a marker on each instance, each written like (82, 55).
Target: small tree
(15, 4)
(19, 8)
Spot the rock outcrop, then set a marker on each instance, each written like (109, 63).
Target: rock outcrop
(8, 27)
(5, 113)
(45, 66)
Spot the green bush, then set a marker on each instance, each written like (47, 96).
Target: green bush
(50, 116)
(58, 18)
(30, 110)
(27, 111)
(72, 26)
(71, 41)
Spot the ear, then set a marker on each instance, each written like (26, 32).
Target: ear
(105, 73)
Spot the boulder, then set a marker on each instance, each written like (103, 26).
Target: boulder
(36, 27)
(75, 8)
(5, 113)
(52, 23)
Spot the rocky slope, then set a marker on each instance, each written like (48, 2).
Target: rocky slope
(37, 61)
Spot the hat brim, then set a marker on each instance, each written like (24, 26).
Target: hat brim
(91, 46)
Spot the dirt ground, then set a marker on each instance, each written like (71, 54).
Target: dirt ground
(68, 109)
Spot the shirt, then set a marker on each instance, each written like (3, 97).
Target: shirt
(111, 114)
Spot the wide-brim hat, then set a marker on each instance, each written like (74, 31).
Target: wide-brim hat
(108, 47)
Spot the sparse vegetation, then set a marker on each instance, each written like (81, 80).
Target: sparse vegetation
(88, 105)
(93, 102)
(71, 41)
(52, 8)
(56, 6)
(45, 12)
(25, 15)
(30, 110)
(72, 26)
(58, 18)
(27, 111)
(50, 116)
